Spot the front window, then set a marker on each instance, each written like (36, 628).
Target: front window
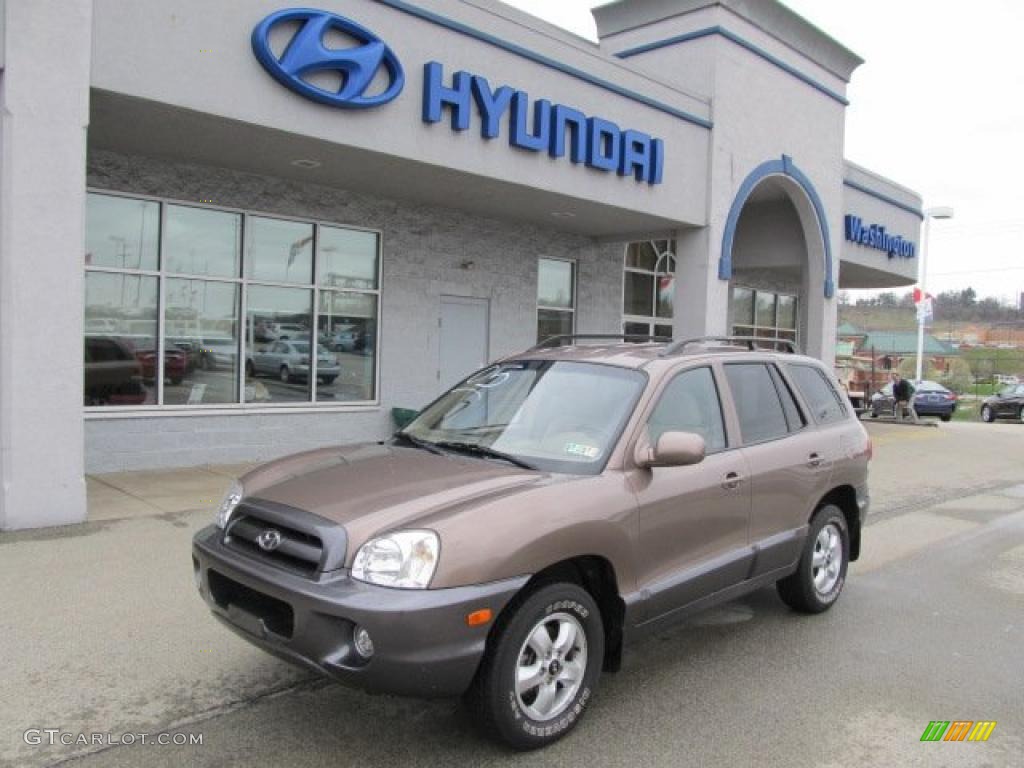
(763, 313)
(192, 299)
(649, 288)
(555, 416)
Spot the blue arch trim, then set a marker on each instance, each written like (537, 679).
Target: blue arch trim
(781, 167)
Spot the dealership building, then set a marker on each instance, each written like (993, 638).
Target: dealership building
(235, 230)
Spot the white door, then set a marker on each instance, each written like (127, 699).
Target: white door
(464, 334)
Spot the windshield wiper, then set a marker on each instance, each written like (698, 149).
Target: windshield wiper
(483, 450)
(416, 442)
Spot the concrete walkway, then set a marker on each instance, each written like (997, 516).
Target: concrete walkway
(121, 495)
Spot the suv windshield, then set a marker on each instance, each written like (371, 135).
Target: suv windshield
(556, 416)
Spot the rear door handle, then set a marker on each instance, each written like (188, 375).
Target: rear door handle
(732, 480)
(814, 460)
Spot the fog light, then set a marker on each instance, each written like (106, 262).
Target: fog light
(363, 643)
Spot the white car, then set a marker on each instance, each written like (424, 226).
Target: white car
(289, 360)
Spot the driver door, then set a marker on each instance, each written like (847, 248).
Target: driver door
(693, 521)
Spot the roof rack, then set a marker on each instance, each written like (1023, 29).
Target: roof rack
(750, 342)
(563, 339)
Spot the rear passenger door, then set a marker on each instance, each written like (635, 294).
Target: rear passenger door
(789, 467)
(692, 538)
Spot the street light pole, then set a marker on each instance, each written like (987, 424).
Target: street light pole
(940, 212)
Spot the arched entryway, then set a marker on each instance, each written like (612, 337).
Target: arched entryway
(777, 256)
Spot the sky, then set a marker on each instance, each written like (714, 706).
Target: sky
(938, 106)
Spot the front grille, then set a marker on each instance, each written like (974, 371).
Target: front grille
(299, 551)
(276, 615)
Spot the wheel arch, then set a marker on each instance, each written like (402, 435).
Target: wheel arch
(845, 497)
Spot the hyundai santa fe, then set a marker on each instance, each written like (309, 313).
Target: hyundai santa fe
(545, 512)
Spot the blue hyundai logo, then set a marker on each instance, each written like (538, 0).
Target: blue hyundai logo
(306, 54)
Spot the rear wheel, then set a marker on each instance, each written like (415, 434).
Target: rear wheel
(541, 667)
(821, 574)
(286, 375)
(987, 414)
(946, 416)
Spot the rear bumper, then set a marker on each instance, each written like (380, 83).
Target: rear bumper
(422, 644)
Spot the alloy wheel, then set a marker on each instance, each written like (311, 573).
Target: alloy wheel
(552, 663)
(827, 560)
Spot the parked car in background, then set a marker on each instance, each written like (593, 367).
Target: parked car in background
(344, 339)
(545, 512)
(218, 352)
(930, 399)
(289, 360)
(1007, 404)
(113, 375)
(292, 332)
(176, 363)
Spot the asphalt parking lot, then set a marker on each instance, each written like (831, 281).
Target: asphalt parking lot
(102, 632)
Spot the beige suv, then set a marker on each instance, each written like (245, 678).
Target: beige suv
(534, 519)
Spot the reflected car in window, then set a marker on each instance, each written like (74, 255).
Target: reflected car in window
(217, 353)
(930, 399)
(113, 376)
(289, 360)
(1006, 404)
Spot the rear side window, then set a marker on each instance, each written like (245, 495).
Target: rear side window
(819, 394)
(757, 402)
(690, 404)
(793, 415)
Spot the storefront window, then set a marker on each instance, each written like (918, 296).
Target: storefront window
(649, 288)
(556, 298)
(763, 313)
(232, 334)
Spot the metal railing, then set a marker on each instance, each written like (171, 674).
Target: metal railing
(749, 342)
(564, 339)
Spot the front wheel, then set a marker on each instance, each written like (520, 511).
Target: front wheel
(987, 414)
(821, 574)
(540, 669)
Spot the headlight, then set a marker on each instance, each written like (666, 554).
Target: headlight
(227, 506)
(404, 559)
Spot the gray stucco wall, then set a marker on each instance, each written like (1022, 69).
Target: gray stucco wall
(423, 252)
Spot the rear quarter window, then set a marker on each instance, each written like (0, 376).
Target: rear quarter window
(825, 403)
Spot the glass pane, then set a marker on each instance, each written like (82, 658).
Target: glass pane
(276, 321)
(554, 283)
(666, 295)
(121, 232)
(201, 342)
(639, 296)
(202, 242)
(552, 322)
(641, 256)
(279, 250)
(120, 339)
(825, 403)
(757, 402)
(347, 357)
(639, 329)
(663, 330)
(765, 310)
(793, 415)
(690, 404)
(742, 306)
(667, 265)
(348, 258)
(787, 312)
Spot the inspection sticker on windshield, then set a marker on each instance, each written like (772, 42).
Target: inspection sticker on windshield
(578, 449)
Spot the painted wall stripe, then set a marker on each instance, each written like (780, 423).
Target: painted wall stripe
(745, 44)
(539, 58)
(884, 198)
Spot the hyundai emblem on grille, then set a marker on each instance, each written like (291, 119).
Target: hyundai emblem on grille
(269, 540)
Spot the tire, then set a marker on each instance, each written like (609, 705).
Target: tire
(813, 588)
(250, 369)
(286, 375)
(327, 380)
(987, 415)
(530, 717)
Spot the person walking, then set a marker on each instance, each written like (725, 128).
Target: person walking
(903, 394)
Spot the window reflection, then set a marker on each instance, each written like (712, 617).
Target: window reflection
(279, 250)
(199, 241)
(348, 258)
(348, 333)
(201, 328)
(121, 232)
(278, 331)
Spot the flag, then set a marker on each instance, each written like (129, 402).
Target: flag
(296, 248)
(923, 302)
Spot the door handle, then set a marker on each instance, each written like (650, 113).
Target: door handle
(814, 460)
(732, 480)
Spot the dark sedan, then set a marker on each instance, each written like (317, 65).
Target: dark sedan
(1007, 404)
(930, 399)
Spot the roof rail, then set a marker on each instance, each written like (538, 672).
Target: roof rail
(750, 342)
(563, 339)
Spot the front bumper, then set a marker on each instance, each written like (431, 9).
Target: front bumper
(422, 644)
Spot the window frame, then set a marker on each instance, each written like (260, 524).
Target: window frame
(754, 328)
(311, 405)
(571, 311)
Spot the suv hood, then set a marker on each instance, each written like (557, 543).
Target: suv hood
(374, 487)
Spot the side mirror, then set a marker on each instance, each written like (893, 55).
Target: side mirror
(673, 449)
